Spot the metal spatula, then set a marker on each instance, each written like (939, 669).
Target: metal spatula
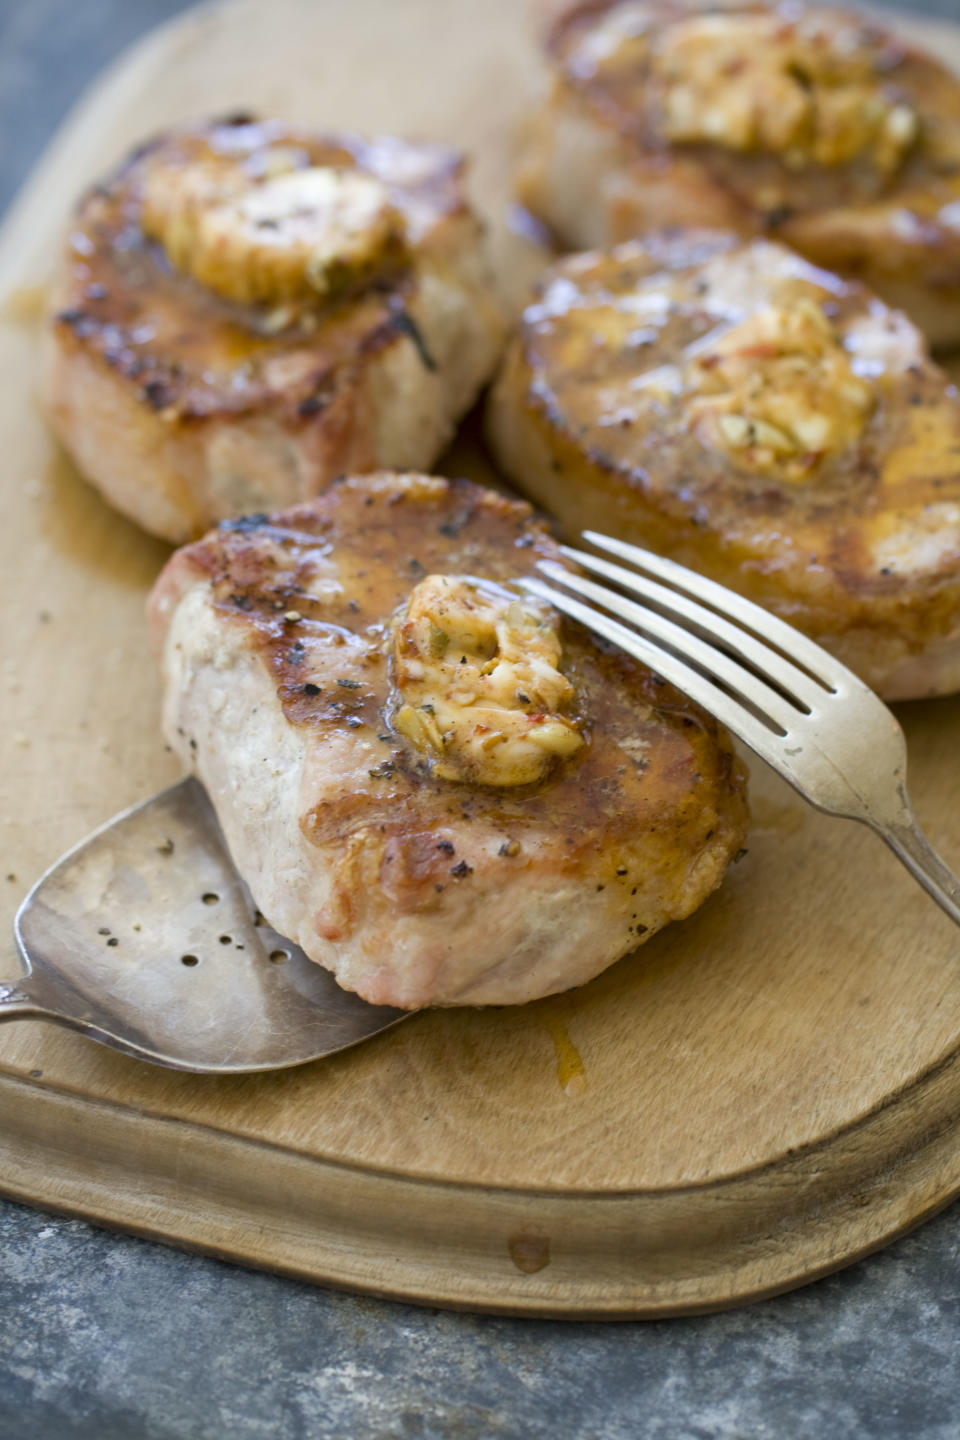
(145, 938)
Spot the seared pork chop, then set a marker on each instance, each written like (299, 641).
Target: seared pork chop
(810, 123)
(247, 310)
(440, 790)
(759, 420)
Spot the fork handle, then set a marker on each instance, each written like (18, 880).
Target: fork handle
(909, 844)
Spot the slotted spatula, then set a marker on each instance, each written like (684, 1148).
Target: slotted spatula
(145, 938)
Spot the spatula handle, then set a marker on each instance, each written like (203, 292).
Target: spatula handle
(16, 1002)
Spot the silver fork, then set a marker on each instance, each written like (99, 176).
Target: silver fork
(788, 699)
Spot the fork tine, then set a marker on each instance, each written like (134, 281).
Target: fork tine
(789, 677)
(728, 710)
(656, 627)
(820, 664)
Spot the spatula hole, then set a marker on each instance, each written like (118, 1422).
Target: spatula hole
(189, 960)
(226, 939)
(210, 898)
(278, 956)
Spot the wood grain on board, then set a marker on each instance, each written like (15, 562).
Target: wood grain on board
(762, 1093)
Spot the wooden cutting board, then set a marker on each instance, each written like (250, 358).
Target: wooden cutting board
(758, 1096)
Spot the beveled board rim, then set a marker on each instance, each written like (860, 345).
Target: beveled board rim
(600, 1257)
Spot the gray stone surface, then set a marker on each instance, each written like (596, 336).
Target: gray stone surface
(104, 1337)
(49, 50)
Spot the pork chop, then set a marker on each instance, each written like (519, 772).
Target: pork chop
(247, 310)
(440, 790)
